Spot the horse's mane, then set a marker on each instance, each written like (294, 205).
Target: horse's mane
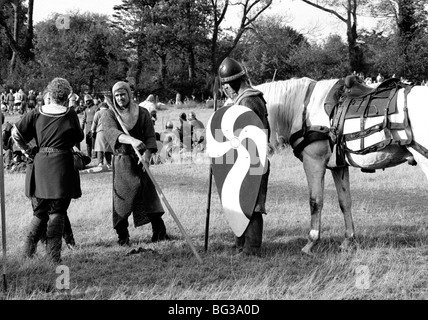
(285, 101)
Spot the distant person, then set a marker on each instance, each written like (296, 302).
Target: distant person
(17, 100)
(101, 145)
(39, 99)
(149, 103)
(24, 101)
(73, 100)
(197, 130)
(88, 117)
(31, 100)
(182, 117)
(178, 98)
(168, 134)
(3, 98)
(52, 181)
(81, 106)
(170, 141)
(10, 101)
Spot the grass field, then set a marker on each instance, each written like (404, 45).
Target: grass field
(390, 259)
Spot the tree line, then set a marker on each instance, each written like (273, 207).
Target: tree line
(164, 47)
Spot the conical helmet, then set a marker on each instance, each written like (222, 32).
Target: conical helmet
(230, 70)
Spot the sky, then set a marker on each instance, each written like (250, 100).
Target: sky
(312, 22)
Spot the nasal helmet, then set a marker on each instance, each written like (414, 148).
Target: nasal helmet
(230, 70)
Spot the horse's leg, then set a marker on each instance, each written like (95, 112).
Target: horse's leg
(314, 158)
(341, 181)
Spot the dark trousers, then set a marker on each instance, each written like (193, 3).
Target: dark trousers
(49, 216)
(89, 144)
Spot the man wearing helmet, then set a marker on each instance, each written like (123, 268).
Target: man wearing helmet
(236, 86)
(171, 142)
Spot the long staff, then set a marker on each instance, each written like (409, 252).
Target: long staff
(210, 177)
(159, 190)
(3, 210)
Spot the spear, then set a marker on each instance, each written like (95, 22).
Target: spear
(210, 177)
(3, 211)
(159, 190)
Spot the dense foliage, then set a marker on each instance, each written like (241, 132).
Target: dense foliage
(165, 47)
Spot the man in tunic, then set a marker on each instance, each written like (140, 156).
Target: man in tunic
(236, 86)
(51, 181)
(88, 117)
(101, 145)
(133, 190)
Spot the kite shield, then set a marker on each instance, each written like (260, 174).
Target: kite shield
(237, 147)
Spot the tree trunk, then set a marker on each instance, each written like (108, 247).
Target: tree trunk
(15, 6)
(356, 59)
(163, 69)
(139, 66)
(30, 33)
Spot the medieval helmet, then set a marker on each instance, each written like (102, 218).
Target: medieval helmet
(230, 70)
(169, 125)
(88, 97)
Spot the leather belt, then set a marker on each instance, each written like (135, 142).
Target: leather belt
(53, 150)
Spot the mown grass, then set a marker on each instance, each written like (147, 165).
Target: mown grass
(389, 209)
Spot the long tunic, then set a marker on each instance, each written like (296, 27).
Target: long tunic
(133, 190)
(53, 175)
(101, 143)
(88, 117)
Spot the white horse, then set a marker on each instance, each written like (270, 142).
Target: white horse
(286, 101)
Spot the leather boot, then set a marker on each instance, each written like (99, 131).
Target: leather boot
(36, 230)
(253, 235)
(159, 229)
(239, 243)
(121, 228)
(54, 234)
(53, 248)
(123, 236)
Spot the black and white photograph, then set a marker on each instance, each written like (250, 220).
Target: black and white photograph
(213, 158)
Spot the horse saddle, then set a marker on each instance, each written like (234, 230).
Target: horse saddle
(360, 100)
(352, 99)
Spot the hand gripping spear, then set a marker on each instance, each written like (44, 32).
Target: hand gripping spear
(3, 211)
(210, 177)
(158, 189)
